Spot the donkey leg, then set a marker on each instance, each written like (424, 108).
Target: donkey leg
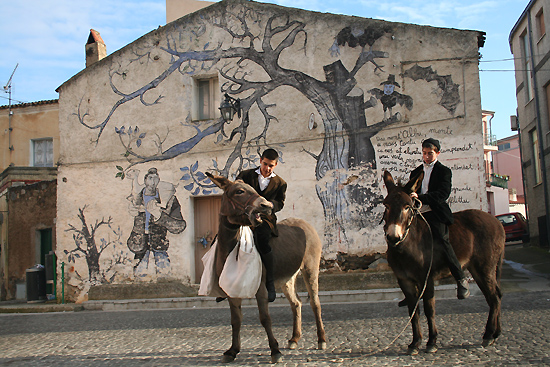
(236, 320)
(490, 287)
(289, 290)
(311, 278)
(265, 319)
(429, 311)
(411, 295)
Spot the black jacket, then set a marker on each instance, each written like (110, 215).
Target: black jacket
(275, 192)
(439, 189)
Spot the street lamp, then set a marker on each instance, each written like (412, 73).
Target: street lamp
(229, 106)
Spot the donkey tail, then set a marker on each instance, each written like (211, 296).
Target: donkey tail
(498, 274)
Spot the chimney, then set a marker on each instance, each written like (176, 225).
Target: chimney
(95, 48)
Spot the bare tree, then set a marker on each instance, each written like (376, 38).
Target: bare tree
(253, 38)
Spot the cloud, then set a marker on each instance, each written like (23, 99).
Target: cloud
(47, 38)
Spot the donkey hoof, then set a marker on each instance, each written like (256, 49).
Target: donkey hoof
(412, 351)
(432, 348)
(292, 344)
(322, 345)
(276, 358)
(227, 358)
(487, 342)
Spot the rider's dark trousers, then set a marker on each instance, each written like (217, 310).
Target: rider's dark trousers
(440, 234)
(262, 235)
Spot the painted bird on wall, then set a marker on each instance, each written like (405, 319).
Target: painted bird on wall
(390, 97)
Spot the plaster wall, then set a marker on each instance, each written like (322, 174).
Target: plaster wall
(508, 162)
(312, 86)
(27, 123)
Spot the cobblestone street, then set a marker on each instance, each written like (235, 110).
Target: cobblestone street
(358, 335)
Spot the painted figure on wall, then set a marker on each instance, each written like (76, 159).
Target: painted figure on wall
(390, 97)
(338, 98)
(156, 211)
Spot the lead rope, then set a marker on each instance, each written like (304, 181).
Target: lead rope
(416, 209)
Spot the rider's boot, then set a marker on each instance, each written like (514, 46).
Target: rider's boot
(267, 260)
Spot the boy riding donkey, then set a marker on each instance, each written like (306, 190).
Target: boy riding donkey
(273, 188)
(433, 193)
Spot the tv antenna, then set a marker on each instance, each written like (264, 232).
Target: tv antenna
(7, 89)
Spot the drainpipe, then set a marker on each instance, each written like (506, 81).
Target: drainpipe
(539, 130)
(517, 124)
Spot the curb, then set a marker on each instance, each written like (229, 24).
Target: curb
(352, 296)
(374, 295)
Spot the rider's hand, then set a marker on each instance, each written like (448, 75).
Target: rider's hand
(413, 195)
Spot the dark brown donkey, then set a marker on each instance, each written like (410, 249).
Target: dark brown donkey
(298, 247)
(477, 238)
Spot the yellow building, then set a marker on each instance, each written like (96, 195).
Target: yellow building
(29, 150)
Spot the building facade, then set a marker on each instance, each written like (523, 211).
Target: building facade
(507, 162)
(29, 150)
(341, 98)
(531, 47)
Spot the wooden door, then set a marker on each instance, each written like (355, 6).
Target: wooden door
(207, 211)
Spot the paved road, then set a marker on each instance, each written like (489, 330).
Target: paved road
(358, 334)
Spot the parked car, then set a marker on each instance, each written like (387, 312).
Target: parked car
(515, 226)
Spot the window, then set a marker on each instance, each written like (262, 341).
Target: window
(526, 57)
(541, 29)
(206, 98)
(536, 156)
(504, 146)
(42, 152)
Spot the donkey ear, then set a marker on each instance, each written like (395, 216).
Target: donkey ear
(220, 181)
(388, 181)
(414, 183)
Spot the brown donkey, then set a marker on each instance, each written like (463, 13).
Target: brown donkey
(297, 248)
(477, 238)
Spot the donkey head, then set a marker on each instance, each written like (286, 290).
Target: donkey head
(241, 204)
(399, 208)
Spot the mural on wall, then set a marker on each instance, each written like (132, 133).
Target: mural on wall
(345, 168)
(91, 242)
(156, 211)
(390, 97)
(450, 97)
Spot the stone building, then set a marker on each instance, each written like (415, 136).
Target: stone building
(341, 98)
(530, 46)
(29, 148)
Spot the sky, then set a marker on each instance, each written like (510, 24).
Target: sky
(46, 39)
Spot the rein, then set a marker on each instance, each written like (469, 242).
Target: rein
(416, 209)
(417, 204)
(243, 207)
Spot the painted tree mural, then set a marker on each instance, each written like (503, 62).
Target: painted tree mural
(90, 247)
(255, 41)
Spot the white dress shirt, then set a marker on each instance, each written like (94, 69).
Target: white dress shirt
(428, 168)
(264, 181)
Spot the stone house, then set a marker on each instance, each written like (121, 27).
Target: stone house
(341, 98)
(529, 45)
(29, 148)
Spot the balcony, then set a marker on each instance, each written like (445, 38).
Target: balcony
(499, 180)
(489, 143)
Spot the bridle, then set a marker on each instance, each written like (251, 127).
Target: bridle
(243, 207)
(415, 208)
